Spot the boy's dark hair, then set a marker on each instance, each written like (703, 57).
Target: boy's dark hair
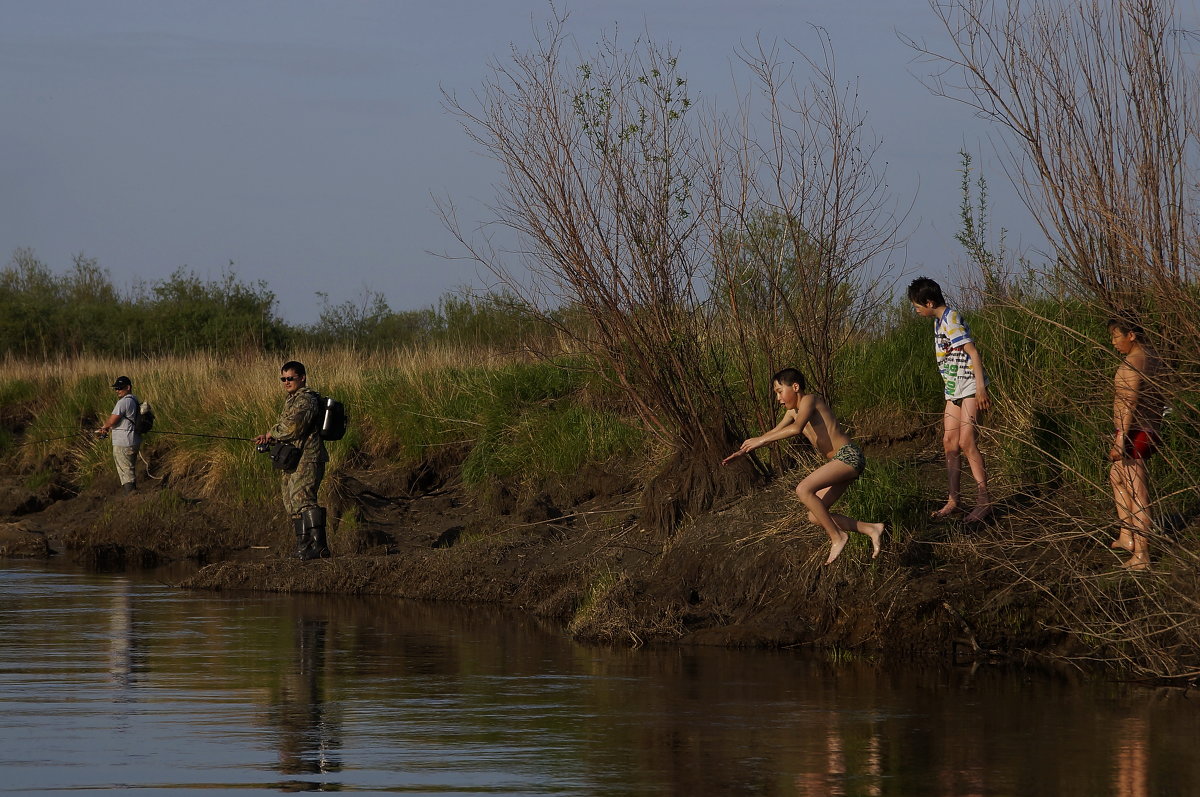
(295, 367)
(1125, 326)
(923, 289)
(790, 376)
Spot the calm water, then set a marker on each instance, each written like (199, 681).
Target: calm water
(111, 682)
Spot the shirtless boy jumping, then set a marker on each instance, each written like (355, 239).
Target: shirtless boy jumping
(808, 413)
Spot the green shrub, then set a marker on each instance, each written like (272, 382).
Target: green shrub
(894, 367)
(888, 492)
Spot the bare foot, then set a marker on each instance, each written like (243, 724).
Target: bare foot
(836, 546)
(1124, 542)
(979, 514)
(1138, 563)
(946, 511)
(875, 532)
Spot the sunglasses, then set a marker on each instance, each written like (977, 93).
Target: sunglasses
(288, 378)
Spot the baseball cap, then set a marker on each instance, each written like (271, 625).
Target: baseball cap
(122, 382)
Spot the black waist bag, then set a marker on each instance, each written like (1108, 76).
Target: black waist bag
(285, 456)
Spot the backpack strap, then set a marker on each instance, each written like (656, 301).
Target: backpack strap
(137, 407)
(314, 424)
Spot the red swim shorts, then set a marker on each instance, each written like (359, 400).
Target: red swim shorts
(1141, 444)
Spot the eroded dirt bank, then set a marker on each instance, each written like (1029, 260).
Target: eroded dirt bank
(746, 573)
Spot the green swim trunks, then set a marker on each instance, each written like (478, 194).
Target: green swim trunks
(853, 456)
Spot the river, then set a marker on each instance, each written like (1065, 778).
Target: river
(117, 682)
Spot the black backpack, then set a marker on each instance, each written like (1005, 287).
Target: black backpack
(331, 420)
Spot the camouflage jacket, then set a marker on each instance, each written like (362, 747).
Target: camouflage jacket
(297, 425)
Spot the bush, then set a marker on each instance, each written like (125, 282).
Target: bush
(81, 312)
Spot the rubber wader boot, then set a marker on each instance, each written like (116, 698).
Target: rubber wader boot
(301, 537)
(314, 524)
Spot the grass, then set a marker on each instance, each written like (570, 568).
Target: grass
(39, 479)
(506, 415)
(887, 492)
(594, 608)
(895, 369)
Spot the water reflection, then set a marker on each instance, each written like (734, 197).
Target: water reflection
(309, 728)
(110, 683)
(124, 646)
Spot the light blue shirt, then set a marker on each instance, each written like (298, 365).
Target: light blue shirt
(123, 432)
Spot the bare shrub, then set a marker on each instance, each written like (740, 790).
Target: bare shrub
(802, 220)
(699, 259)
(1096, 97)
(1061, 571)
(598, 156)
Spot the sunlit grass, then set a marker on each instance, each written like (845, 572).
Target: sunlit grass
(504, 413)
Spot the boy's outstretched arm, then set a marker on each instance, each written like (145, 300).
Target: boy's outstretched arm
(981, 391)
(787, 427)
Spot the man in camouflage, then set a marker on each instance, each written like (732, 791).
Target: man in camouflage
(298, 426)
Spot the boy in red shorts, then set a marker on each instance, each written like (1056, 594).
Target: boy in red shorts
(1137, 409)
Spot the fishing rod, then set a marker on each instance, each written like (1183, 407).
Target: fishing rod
(52, 439)
(156, 431)
(63, 437)
(202, 434)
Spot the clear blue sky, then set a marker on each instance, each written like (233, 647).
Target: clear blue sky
(303, 140)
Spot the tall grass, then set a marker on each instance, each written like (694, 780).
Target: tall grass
(892, 367)
(503, 416)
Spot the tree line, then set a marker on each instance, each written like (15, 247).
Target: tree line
(80, 311)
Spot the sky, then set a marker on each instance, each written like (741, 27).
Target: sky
(305, 141)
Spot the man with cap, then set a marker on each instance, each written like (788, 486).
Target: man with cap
(125, 439)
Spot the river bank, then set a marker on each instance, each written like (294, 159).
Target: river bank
(525, 482)
(747, 573)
